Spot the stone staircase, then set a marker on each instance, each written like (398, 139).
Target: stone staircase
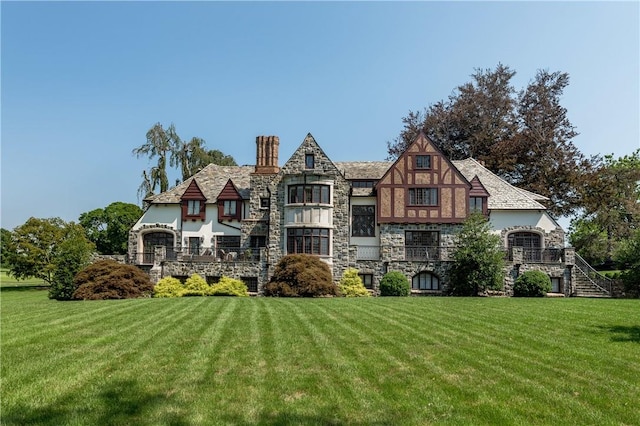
(588, 282)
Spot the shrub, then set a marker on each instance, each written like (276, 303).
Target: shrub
(108, 279)
(229, 287)
(394, 283)
(532, 284)
(168, 287)
(196, 286)
(478, 259)
(351, 285)
(301, 275)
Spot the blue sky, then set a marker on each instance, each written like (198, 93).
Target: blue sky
(82, 82)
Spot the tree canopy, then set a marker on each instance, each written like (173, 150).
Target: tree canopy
(166, 146)
(610, 207)
(49, 249)
(523, 136)
(108, 228)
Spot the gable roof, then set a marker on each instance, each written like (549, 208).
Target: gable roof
(211, 180)
(503, 195)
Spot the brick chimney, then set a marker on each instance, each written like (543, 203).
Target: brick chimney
(267, 154)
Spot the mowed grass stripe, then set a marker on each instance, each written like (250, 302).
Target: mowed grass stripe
(323, 361)
(537, 370)
(87, 354)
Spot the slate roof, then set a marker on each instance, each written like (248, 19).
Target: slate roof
(503, 195)
(211, 180)
(363, 170)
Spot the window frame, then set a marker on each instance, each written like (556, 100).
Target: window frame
(422, 284)
(358, 221)
(419, 162)
(193, 207)
(313, 241)
(309, 194)
(473, 204)
(367, 280)
(309, 161)
(428, 197)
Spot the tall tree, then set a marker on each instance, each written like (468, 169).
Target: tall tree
(547, 161)
(524, 137)
(170, 150)
(108, 228)
(5, 243)
(611, 200)
(158, 145)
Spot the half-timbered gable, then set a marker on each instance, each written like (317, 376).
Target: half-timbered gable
(423, 186)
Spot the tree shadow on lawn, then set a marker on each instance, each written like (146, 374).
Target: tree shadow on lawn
(121, 402)
(623, 333)
(294, 419)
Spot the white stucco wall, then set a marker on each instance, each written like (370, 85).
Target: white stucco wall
(502, 219)
(163, 214)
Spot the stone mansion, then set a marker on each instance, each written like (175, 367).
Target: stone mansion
(238, 221)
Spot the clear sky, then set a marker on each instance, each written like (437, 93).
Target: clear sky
(82, 82)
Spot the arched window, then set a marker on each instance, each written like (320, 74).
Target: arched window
(152, 239)
(425, 281)
(530, 242)
(524, 239)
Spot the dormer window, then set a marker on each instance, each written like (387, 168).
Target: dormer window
(423, 162)
(309, 161)
(193, 203)
(229, 203)
(230, 207)
(193, 207)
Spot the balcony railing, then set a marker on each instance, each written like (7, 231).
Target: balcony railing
(202, 254)
(538, 255)
(368, 253)
(424, 253)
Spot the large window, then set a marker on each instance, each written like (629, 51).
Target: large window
(425, 281)
(308, 241)
(151, 240)
(299, 194)
(363, 221)
(423, 196)
(530, 242)
(422, 245)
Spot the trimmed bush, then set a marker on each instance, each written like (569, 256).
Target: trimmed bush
(229, 287)
(532, 284)
(351, 285)
(108, 279)
(196, 286)
(168, 287)
(394, 283)
(301, 275)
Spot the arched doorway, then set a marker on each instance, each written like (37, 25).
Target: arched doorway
(151, 240)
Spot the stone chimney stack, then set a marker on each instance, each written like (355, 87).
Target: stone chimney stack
(267, 154)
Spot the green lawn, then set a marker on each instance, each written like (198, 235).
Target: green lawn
(194, 361)
(8, 281)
